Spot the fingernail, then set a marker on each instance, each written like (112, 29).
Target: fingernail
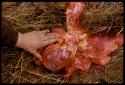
(47, 30)
(56, 34)
(57, 38)
(41, 59)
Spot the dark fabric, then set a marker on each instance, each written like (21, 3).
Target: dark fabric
(8, 35)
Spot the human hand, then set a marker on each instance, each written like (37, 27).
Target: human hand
(34, 40)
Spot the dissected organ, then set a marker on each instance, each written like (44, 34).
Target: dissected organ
(76, 49)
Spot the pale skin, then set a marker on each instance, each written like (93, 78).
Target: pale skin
(34, 40)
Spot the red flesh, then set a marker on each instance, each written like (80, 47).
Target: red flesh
(77, 50)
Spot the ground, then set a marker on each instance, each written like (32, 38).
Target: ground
(17, 65)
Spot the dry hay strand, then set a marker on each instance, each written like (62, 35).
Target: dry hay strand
(17, 65)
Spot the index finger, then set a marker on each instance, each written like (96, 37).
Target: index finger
(50, 36)
(50, 41)
(45, 31)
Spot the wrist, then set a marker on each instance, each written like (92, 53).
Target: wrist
(19, 40)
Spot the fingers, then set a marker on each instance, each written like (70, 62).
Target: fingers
(41, 33)
(45, 31)
(50, 41)
(50, 36)
(36, 54)
(45, 35)
(36, 61)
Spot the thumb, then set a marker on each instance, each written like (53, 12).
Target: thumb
(36, 54)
